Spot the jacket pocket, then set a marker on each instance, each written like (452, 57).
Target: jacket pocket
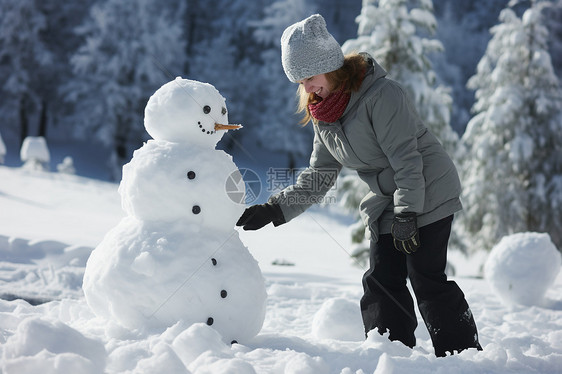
(385, 181)
(380, 182)
(371, 209)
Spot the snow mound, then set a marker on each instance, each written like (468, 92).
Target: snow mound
(46, 270)
(35, 147)
(35, 153)
(338, 319)
(522, 267)
(2, 150)
(44, 346)
(301, 363)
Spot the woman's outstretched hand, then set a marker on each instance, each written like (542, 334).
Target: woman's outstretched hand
(257, 216)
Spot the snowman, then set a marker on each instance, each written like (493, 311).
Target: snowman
(176, 256)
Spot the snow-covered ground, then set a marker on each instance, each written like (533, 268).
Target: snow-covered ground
(50, 222)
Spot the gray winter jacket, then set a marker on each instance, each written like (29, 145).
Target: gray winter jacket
(381, 136)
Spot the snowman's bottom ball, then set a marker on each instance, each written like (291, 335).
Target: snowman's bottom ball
(145, 278)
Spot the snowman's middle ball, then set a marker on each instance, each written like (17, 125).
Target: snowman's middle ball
(171, 182)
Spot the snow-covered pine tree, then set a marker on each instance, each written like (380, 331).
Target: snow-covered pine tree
(512, 174)
(279, 130)
(60, 38)
(552, 12)
(464, 31)
(22, 56)
(223, 52)
(396, 33)
(130, 49)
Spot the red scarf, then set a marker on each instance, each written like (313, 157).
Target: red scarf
(331, 108)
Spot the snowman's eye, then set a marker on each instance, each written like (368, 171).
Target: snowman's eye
(223, 111)
(206, 109)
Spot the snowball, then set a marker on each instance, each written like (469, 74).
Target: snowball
(202, 350)
(521, 267)
(338, 319)
(196, 340)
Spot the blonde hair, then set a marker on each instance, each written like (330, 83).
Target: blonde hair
(348, 78)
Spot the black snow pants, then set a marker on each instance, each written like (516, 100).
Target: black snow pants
(388, 305)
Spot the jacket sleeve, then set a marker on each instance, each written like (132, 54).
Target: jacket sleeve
(312, 183)
(396, 125)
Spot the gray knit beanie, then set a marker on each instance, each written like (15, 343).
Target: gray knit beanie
(308, 49)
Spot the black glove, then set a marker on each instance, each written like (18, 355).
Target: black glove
(257, 216)
(404, 230)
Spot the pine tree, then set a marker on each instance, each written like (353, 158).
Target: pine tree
(222, 51)
(552, 13)
(23, 55)
(279, 130)
(464, 31)
(513, 172)
(59, 37)
(392, 32)
(131, 48)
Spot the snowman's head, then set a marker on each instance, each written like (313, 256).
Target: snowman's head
(187, 111)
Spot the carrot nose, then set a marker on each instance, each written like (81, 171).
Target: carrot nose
(219, 126)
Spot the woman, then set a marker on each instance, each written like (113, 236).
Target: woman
(366, 122)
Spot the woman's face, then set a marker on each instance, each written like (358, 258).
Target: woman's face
(317, 84)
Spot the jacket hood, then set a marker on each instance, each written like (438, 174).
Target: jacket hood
(374, 72)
